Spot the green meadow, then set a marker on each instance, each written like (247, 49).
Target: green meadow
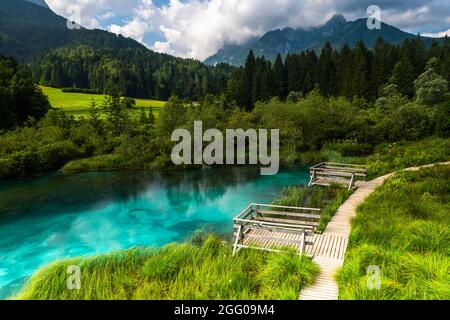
(78, 104)
(404, 230)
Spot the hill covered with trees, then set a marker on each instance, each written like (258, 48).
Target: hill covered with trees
(350, 72)
(96, 59)
(337, 31)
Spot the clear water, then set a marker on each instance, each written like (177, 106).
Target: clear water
(55, 216)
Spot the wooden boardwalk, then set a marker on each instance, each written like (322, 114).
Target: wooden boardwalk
(329, 248)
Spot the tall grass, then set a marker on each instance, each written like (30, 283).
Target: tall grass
(390, 157)
(177, 271)
(403, 228)
(328, 199)
(386, 157)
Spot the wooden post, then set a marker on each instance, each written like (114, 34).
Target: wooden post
(352, 182)
(302, 245)
(238, 236)
(311, 181)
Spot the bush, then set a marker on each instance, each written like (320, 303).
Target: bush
(82, 90)
(350, 148)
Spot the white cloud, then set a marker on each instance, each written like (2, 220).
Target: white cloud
(106, 15)
(90, 13)
(198, 28)
(135, 29)
(437, 34)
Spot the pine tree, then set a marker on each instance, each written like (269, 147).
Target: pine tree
(279, 74)
(327, 71)
(94, 117)
(249, 74)
(143, 119)
(361, 81)
(403, 77)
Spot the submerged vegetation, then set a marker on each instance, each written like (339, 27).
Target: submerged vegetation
(178, 271)
(404, 229)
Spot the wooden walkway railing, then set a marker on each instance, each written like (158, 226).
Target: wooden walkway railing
(269, 227)
(327, 173)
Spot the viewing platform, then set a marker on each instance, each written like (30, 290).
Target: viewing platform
(269, 228)
(328, 173)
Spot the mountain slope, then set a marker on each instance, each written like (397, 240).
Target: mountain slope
(337, 31)
(28, 29)
(97, 59)
(41, 3)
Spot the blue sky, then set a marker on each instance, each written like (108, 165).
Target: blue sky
(198, 28)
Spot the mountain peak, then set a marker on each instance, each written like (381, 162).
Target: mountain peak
(334, 24)
(336, 19)
(41, 3)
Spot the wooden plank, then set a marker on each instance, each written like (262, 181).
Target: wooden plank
(287, 207)
(296, 222)
(270, 224)
(289, 214)
(307, 229)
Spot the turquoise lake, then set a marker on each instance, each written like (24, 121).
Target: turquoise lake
(55, 216)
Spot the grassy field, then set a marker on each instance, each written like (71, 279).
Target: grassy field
(404, 229)
(178, 271)
(78, 104)
(388, 157)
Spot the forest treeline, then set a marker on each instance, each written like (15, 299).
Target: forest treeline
(132, 72)
(308, 119)
(349, 72)
(20, 97)
(306, 125)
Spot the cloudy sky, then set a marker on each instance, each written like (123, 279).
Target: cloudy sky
(198, 28)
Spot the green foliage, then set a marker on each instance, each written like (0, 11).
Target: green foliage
(312, 129)
(441, 119)
(404, 228)
(79, 90)
(172, 117)
(327, 199)
(20, 98)
(177, 271)
(431, 88)
(385, 71)
(390, 157)
(133, 72)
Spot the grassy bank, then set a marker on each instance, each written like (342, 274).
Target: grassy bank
(328, 199)
(177, 271)
(384, 158)
(78, 104)
(404, 229)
